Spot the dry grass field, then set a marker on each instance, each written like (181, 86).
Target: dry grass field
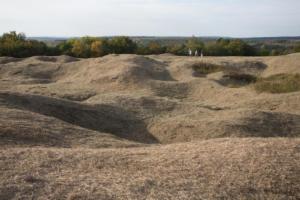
(150, 127)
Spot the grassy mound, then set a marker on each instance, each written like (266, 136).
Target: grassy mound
(202, 68)
(280, 83)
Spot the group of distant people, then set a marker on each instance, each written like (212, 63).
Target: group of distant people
(196, 53)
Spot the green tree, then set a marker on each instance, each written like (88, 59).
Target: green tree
(122, 45)
(223, 42)
(155, 48)
(297, 47)
(218, 48)
(195, 44)
(65, 47)
(13, 36)
(177, 49)
(226, 47)
(263, 51)
(16, 45)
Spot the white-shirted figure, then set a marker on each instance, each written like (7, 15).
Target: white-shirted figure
(201, 54)
(190, 52)
(196, 53)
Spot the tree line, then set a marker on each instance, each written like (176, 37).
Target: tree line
(17, 45)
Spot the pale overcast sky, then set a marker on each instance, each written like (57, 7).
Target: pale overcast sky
(237, 18)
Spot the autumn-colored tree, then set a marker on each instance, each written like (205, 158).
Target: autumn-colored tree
(80, 49)
(99, 48)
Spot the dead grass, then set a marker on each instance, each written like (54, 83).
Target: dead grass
(280, 83)
(214, 169)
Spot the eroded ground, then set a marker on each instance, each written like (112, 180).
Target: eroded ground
(147, 127)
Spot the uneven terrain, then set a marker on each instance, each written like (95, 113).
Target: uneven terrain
(147, 127)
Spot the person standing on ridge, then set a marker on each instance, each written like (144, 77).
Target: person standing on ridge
(190, 52)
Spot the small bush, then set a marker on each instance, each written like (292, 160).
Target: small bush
(280, 83)
(206, 68)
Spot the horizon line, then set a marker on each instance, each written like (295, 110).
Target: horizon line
(152, 36)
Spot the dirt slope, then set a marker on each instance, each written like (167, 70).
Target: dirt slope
(146, 127)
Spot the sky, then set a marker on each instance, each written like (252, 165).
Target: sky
(72, 18)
